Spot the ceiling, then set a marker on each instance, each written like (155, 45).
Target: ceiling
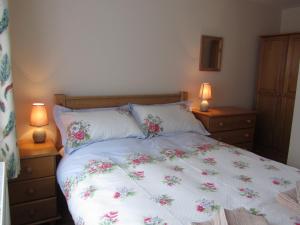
(281, 3)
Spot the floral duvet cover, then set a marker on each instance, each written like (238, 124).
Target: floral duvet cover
(173, 180)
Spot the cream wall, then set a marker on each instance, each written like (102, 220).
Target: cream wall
(294, 151)
(111, 47)
(290, 20)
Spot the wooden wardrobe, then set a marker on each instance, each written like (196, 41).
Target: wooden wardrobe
(275, 97)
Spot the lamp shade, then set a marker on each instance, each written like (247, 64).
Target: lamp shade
(38, 117)
(205, 91)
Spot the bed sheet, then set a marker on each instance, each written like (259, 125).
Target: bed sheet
(171, 180)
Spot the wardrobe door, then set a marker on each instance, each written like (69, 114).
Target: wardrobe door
(292, 68)
(289, 93)
(269, 90)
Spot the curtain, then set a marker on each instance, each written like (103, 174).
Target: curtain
(8, 148)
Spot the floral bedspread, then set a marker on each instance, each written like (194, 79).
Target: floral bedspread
(173, 180)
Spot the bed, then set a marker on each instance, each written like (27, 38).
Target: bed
(167, 180)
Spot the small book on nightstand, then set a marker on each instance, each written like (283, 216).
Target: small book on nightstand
(33, 197)
(231, 125)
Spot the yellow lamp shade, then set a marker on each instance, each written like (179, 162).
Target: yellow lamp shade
(38, 117)
(205, 91)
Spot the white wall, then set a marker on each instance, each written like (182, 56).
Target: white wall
(111, 47)
(290, 20)
(294, 151)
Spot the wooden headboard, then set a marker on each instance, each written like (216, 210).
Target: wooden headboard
(85, 102)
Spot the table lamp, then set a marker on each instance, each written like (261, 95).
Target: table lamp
(38, 119)
(204, 95)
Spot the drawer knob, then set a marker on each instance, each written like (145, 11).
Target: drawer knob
(32, 213)
(221, 124)
(31, 191)
(248, 121)
(28, 170)
(246, 135)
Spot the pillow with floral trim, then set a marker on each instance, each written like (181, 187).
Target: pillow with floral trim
(165, 119)
(79, 128)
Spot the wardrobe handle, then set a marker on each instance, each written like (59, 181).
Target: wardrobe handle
(28, 170)
(221, 124)
(30, 191)
(32, 213)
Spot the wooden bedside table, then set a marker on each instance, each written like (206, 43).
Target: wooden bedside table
(231, 125)
(32, 195)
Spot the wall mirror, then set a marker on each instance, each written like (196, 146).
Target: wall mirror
(211, 53)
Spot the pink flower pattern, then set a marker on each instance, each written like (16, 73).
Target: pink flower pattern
(296, 220)
(178, 169)
(88, 192)
(248, 193)
(98, 167)
(271, 167)
(236, 152)
(209, 161)
(78, 133)
(93, 167)
(69, 184)
(174, 153)
(203, 149)
(244, 178)
(137, 175)
(123, 193)
(206, 206)
(280, 181)
(240, 164)
(208, 186)
(109, 218)
(152, 125)
(163, 200)
(171, 180)
(137, 159)
(154, 221)
(207, 172)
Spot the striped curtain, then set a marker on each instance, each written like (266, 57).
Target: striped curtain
(8, 148)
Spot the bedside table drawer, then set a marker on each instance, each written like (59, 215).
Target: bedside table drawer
(231, 123)
(234, 137)
(34, 211)
(37, 167)
(25, 191)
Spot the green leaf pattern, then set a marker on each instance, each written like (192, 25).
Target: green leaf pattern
(8, 147)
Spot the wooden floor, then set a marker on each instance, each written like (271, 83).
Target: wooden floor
(66, 219)
(63, 210)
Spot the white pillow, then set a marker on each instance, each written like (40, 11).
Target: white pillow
(166, 118)
(79, 128)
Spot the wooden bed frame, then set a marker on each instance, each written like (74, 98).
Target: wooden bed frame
(86, 102)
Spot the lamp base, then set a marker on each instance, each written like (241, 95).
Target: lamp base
(39, 135)
(204, 106)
